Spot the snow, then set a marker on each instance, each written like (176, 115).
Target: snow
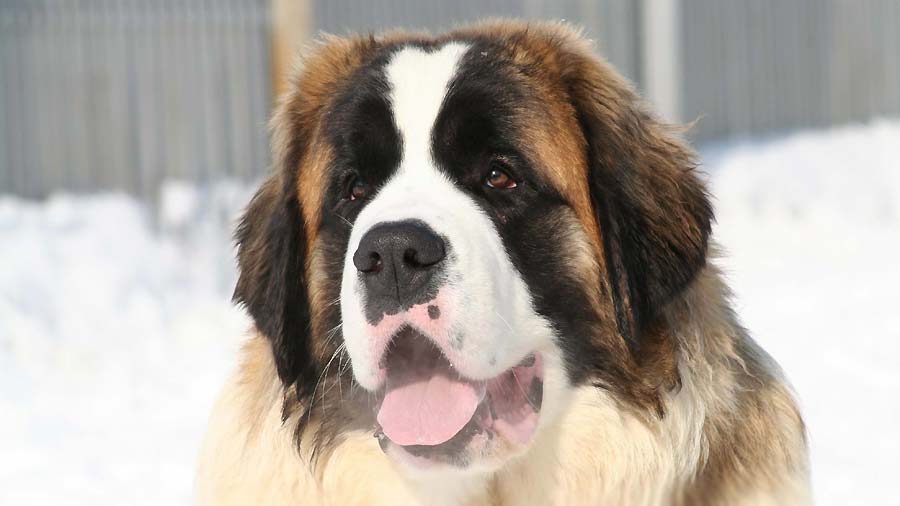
(116, 329)
(811, 228)
(116, 332)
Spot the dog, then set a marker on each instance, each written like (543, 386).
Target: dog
(480, 273)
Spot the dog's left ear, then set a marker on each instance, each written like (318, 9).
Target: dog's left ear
(653, 211)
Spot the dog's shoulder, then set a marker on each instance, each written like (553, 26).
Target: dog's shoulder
(754, 448)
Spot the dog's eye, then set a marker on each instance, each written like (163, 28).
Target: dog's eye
(498, 177)
(357, 189)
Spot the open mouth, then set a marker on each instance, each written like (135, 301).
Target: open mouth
(431, 411)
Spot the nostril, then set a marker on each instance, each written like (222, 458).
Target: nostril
(426, 254)
(374, 264)
(367, 261)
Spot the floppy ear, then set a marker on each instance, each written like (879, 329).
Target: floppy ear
(272, 238)
(272, 284)
(653, 210)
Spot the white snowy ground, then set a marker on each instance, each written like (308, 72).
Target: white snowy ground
(116, 328)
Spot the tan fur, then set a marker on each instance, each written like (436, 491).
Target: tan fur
(702, 416)
(721, 442)
(296, 137)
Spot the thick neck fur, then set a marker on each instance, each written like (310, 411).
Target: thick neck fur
(731, 435)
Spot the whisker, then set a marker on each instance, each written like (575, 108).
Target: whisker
(324, 372)
(504, 321)
(524, 394)
(345, 220)
(340, 373)
(346, 367)
(337, 352)
(329, 337)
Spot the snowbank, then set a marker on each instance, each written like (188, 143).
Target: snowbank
(116, 329)
(116, 332)
(811, 228)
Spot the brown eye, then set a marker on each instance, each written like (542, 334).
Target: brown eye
(498, 177)
(358, 189)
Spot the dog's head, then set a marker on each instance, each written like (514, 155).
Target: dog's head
(462, 229)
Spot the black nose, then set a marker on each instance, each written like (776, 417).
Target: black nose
(398, 259)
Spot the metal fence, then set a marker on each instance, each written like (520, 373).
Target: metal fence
(754, 66)
(612, 24)
(121, 94)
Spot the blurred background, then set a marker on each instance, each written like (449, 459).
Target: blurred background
(132, 133)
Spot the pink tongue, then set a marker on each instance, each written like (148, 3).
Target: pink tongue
(426, 405)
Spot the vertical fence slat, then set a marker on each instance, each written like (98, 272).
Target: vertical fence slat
(6, 27)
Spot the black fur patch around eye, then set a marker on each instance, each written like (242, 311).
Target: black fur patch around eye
(359, 126)
(478, 118)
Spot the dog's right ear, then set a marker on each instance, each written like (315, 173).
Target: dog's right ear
(272, 237)
(272, 283)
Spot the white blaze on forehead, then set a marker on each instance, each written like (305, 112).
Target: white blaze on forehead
(419, 81)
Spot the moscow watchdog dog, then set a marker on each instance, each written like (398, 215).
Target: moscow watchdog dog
(480, 275)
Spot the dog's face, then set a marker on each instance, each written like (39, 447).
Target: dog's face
(462, 230)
